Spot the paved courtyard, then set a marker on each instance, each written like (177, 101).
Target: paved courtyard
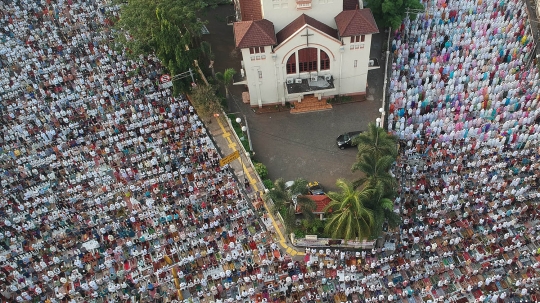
(301, 145)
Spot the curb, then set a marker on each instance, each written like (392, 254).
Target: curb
(256, 183)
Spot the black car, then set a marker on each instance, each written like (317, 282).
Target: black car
(346, 140)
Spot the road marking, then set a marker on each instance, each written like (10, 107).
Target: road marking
(253, 182)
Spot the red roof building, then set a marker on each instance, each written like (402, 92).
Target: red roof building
(301, 50)
(254, 33)
(321, 201)
(250, 10)
(356, 22)
(299, 22)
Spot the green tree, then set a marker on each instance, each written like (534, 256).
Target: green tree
(376, 141)
(168, 28)
(350, 219)
(376, 172)
(226, 79)
(287, 200)
(380, 202)
(390, 13)
(377, 151)
(206, 50)
(205, 101)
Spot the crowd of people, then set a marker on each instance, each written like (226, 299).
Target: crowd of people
(464, 104)
(108, 181)
(112, 190)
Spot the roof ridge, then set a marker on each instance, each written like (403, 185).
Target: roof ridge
(350, 19)
(257, 23)
(356, 21)
(301, 21)
(262, 29)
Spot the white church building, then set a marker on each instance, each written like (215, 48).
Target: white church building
(297, 49)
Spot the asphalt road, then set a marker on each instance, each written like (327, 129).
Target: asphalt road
(299, 145)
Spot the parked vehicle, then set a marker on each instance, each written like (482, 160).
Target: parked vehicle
(346, 140)
(315, 188)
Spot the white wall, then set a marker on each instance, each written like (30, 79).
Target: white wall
(283, 12)
(262, 90)
(270, 89)
(297, 42)
(354, 79)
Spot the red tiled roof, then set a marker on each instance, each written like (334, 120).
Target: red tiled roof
(254, 33)
(356, 22)
(250, 10)
(304, 19)
(321, 201)
(350, 4)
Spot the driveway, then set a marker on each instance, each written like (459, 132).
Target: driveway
(299, 145)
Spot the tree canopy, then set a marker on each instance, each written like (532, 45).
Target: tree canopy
(168, 28)
(350, 219)
(392, 12)
(204, 99)
(377, 142)
(226, 79)
(287, 200)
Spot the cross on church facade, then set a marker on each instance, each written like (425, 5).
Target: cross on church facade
(307, 36)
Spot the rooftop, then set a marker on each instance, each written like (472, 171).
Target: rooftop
(356, 22)
(254, 33)
(299, 22)
(251, 10)
(306, 85)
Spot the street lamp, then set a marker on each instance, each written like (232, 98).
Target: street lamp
(242, 127)
(381, 111)
(378, 120)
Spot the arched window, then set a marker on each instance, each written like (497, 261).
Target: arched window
(307, 59)
(291, 64)
(325, 61)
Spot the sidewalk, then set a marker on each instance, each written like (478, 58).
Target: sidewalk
(227, 142)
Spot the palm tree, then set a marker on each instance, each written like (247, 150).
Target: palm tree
(380, 202)
(287, 200)
(206, 50)
(350, 219)
(226, 79)
(376, 171)
(376, 141)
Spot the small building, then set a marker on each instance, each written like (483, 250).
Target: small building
(321, 201)
(297, 49)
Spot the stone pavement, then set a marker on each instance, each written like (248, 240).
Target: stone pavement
(227, 143)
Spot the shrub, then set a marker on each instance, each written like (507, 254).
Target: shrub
(261, 170)
(268, 183)
(299, 234)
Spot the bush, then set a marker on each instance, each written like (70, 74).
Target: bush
(261, 170)
(299, 234)
(268, 183)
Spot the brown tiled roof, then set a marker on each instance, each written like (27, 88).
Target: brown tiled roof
(350, 4)
(321, 201)
(294, 26)
(356, 22)
(254, 33)
(250, 10)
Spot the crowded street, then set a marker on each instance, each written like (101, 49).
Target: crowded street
(112, 188)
